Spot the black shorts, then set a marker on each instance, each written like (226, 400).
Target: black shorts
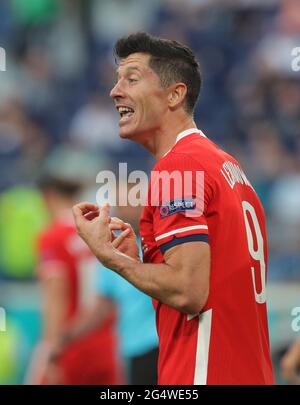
(143, 369)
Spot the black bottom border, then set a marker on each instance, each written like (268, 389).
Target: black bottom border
(132, 394)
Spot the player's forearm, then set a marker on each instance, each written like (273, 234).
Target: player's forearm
(161, 281)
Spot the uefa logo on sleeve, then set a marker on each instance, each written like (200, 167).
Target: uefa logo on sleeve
(177, 205)
(164, 211)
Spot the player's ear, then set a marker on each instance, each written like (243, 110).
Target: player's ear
(177, 95)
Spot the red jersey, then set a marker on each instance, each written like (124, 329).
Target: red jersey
(93, 358)
(228, 342)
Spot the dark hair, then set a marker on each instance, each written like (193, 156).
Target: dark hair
(171, 61)
(63, 187)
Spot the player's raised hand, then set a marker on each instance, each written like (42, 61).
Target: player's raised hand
(93, 227)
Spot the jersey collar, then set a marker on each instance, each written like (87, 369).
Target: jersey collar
(185, 133)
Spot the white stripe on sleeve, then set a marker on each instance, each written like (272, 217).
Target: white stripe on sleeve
(180, 230)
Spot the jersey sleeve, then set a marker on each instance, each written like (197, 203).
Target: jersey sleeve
(51, 261)
(180, 194)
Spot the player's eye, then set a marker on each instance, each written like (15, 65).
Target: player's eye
(132, 79)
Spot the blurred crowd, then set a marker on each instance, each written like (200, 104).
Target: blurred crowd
(55, 91)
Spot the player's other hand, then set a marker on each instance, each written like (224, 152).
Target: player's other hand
(125, 242)
(290, 364)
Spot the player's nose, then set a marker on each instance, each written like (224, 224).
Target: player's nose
(116, 91)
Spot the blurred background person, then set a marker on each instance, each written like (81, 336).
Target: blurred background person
(59, 70)
(136, 316)
(66, 270)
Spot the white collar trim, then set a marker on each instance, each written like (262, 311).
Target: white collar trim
(185, 133)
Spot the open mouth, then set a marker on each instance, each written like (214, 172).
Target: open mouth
(125, 112)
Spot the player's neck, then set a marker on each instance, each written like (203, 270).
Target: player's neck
(165, 138)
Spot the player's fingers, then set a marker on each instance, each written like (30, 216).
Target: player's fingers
(91, 215)
(85, 207)
(119, 239)
(117, 220)
(127, 225)
(79, 212)
(104, 213)
(117, 223)
(78, 215)
(115, 227)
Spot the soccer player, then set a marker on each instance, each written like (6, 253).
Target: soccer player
(205, 247)
(65, 271)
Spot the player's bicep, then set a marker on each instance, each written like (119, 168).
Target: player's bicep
(191, 262)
